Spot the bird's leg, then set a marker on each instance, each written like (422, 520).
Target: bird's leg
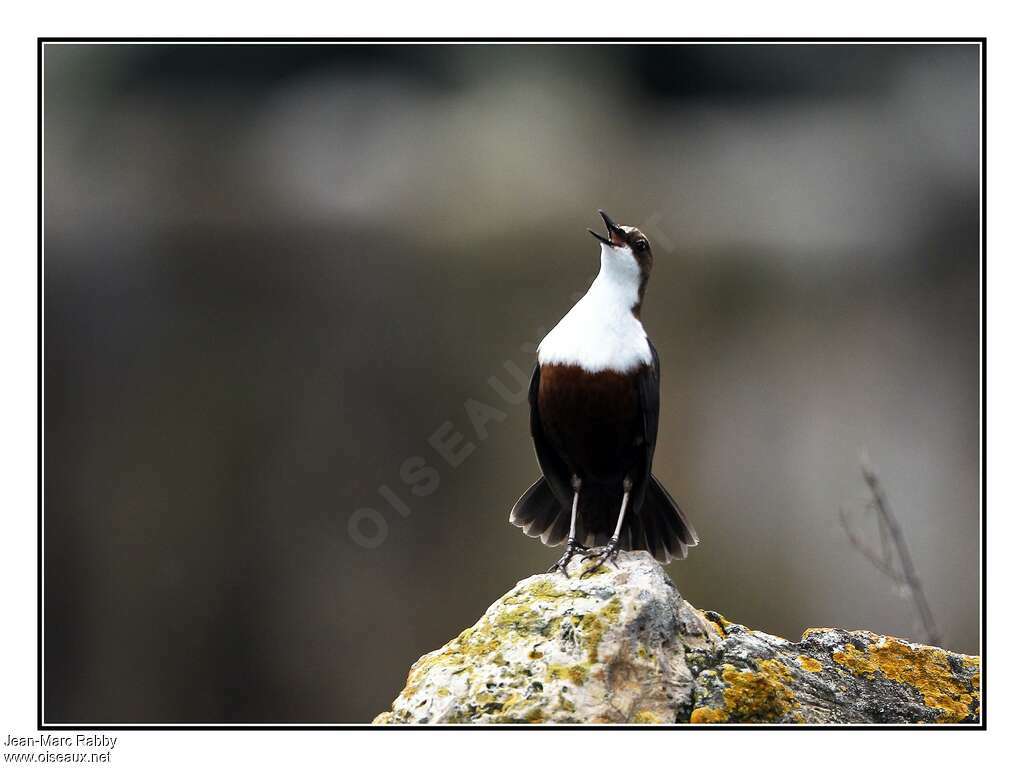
(573, 547)
(610, 551)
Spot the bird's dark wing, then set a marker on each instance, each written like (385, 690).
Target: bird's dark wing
(551, 465)
(665, 528)
(649, 400)
(544, 509)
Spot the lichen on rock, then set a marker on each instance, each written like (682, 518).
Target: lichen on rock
(622, 646)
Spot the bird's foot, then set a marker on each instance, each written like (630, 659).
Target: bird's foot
(606, 554)
(571, 550)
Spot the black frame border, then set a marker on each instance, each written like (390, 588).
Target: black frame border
(40, 44)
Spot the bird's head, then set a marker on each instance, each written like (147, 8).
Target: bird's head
(626, 250)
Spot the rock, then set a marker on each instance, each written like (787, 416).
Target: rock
(622, 646)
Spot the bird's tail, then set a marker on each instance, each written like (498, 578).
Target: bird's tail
(539, 513)
(660, 527)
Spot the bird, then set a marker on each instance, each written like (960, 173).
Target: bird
(594, 402)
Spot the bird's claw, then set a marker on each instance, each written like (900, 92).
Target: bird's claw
(609, 553)
(571, 551)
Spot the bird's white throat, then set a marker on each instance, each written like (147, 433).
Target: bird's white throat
(600, 332)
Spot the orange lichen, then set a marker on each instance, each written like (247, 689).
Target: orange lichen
(810, 664)
(708, 715)
(753, 696)
(718, 621)
(922, 667)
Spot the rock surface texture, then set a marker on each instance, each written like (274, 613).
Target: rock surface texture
(622, 646)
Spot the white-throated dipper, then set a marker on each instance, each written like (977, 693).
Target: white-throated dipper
(594, 421)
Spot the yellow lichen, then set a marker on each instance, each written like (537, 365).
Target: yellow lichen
(542, 589)
(535, 715)
(593, 625)
(646, 716)
(922, 667)
(508, 705)
(523, 618)
(482, 639)
(776, 667)
(576, 672)
(810, 664)
(761, 695)
(518, 618)
(718, 621)
(857, 662)
(708, 715)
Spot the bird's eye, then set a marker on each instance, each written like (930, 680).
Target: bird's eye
(641, 245)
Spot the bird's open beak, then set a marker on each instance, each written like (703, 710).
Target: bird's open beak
(615, 237)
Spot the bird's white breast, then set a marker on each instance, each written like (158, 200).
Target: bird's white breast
(601, 332)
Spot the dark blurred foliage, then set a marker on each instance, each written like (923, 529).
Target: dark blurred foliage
(273, 272)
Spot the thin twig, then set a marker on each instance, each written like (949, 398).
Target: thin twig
(861, 546)
(883, 536)
(903, 551)
(891, 535)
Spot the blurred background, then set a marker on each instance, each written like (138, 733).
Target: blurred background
(276, 274)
